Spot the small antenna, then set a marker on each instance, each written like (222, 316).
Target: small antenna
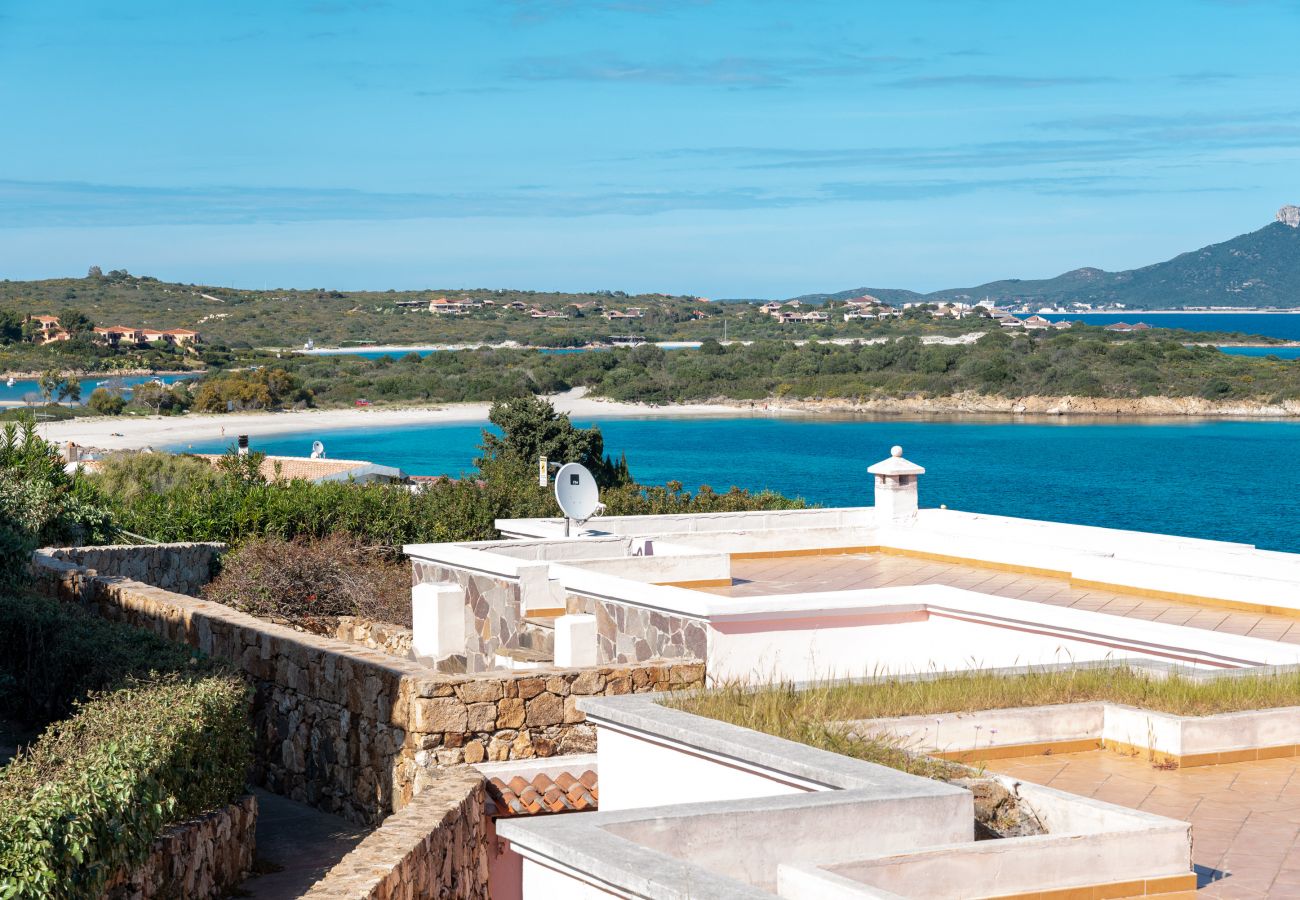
(577, 494)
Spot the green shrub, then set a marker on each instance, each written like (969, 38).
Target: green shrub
(40, 504)
(53, 654)
(176, 498)
(94, 791)
(106, 403)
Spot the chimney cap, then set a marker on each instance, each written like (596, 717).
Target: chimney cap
(896, 465)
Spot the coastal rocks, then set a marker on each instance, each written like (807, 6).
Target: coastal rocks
(982, 404)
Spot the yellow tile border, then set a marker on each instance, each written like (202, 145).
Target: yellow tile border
(1083, 745)
(1196, 760)
(976, 563)
(704, 582)
(1141, 887)
(545, 612)
(809, 551)
(1193, 599)
(1085, 584)
(1013, 751)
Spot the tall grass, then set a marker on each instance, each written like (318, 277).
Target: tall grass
(815, 714)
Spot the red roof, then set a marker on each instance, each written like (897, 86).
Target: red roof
(542, 795)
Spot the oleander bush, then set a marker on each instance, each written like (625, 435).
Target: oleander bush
(88, 798)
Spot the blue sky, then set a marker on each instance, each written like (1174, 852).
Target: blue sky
(727, 148)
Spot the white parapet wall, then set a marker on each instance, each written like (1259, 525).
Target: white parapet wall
(1184, 740)
(733, 813)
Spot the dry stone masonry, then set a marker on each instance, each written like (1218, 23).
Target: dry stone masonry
(437, 846)
(204, 857)
(358, 731)
(183, 568)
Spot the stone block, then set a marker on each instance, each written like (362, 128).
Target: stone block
(510, 713)
(544, 709)
(440, 714)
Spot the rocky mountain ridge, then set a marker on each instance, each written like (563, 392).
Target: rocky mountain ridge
(1257, 269)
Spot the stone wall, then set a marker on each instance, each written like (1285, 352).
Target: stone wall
(355, 731)
(391, 639)
(183, 568)
(207, 856)
(628, 635)
(493, 610)
(437, 846)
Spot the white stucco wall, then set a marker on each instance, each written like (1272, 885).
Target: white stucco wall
(630, 763)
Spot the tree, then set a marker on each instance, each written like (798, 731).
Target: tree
(95, 272)
(531, 428)
(11, 327)
(104, 402)
(48, 384)
(75, 322)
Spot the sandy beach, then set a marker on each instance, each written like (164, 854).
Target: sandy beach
(127, 433)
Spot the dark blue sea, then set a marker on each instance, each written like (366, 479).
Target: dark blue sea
(1277, 325)
(1229, 480)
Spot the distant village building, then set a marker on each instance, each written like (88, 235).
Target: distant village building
(1037, 323)
(48, 329)
(126, 336)
(444, 307)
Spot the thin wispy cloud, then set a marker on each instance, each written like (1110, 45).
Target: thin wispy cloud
(78, 204)
(1008, 82)
(736, 71)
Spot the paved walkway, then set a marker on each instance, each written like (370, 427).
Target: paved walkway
(805, 574)
(296, 845)
(1245, 816)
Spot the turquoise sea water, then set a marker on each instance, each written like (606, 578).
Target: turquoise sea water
(28, 390)
(1279, 352)
(1229, 480)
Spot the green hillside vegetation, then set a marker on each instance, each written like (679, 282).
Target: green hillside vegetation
(1082, 361)
(1261, 268)
(238, 321)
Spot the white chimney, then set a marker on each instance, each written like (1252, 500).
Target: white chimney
(896, 494)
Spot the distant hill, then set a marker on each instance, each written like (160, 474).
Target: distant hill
(1261, 268)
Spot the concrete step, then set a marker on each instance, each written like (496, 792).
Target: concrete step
(522, 658)
(538, 633)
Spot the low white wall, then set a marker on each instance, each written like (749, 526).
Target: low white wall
(984, 729)
(663, 569)
(750, 847)
(1107, 722)
(541, 882)
(629, 762)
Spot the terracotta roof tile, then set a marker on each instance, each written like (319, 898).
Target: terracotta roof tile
(542, 795)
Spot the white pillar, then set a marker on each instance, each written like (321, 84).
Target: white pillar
(896, 489)
(437, 620)
(575, 641)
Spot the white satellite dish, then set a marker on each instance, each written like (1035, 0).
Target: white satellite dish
(317, 450)
(576, 492)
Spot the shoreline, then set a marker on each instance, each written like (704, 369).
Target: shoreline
(159, 432)
(162, 432)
